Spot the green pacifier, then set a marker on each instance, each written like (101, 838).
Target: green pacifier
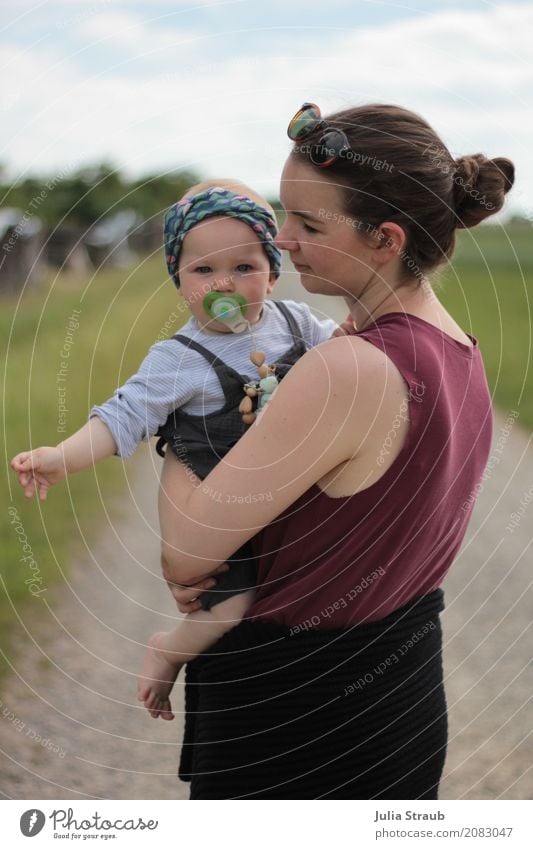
(229, 309)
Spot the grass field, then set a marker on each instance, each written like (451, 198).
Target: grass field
(487, 288)
(121, 313)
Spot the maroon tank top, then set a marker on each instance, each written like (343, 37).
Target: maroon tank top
(334, 562)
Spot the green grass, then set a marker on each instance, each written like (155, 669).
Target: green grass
(122, 314)
(488, 288)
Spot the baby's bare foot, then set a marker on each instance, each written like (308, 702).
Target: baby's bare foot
(158, 674)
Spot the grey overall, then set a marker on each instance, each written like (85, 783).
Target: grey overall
(201, 441)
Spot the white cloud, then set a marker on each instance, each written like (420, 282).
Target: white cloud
(163, 105)
(94, 5)
(131, 33)
(125, 27)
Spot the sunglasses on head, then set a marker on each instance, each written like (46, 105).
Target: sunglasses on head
(328, 147)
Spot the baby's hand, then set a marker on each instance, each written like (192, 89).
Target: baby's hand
(39, 470)
(347, 328)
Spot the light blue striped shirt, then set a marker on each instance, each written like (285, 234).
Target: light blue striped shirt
(173, 376)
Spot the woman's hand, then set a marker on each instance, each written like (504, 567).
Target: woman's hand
(39, 470)
(186, 597)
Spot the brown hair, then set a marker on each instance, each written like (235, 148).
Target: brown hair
(398, 169)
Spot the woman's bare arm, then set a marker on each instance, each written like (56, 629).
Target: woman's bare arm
(318, 418)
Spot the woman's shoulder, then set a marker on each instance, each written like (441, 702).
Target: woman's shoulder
(424, 324)
(358, 375)
(344, 354)
(348, 393)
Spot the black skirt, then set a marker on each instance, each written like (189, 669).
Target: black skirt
(358, 713)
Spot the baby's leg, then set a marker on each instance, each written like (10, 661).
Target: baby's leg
(168, 651)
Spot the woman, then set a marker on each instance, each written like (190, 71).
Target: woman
(356, 475)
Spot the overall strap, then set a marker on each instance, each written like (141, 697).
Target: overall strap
(229, 378)
(294, 327)
(211, 358)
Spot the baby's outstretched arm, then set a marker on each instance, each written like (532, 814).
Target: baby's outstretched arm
(43, 467)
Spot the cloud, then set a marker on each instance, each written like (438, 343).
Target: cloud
(131, 34)
(125, 28)
(220, 101)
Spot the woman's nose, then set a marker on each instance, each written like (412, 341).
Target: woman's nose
(284, 239)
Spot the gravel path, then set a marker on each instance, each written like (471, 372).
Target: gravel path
(75, 677)
(71, 726)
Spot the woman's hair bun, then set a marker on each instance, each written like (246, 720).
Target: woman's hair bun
(479, 187)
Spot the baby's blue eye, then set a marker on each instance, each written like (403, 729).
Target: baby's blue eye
(244, 267)
(309, 229)
(203, 269)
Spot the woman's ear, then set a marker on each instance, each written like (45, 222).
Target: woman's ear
(390, 240)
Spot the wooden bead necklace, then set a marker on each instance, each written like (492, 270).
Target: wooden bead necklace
(231, 310)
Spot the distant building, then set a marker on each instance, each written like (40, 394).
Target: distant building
(21, 250)
(107, 241)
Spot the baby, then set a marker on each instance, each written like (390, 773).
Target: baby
(197, 390)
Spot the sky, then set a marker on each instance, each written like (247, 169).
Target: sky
(211, 86)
